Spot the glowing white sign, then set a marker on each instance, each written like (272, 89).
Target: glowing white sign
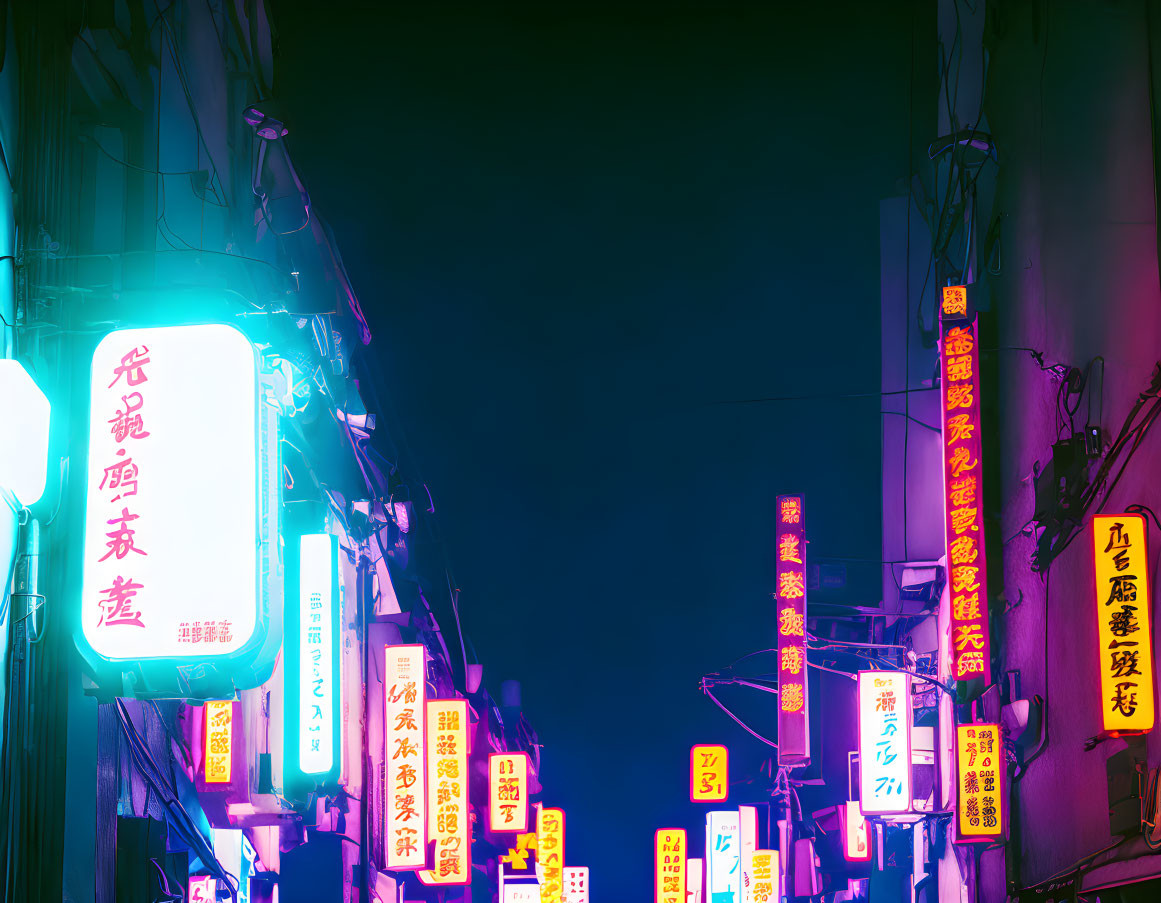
(317, 578)
(884, 742)
(24, 439)
(723, 854)
(171, 519)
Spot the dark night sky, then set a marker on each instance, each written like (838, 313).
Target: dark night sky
(574, 229)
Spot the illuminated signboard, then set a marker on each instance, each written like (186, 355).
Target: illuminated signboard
(884, 742)
(856, 833)
(24, 440)
(722, 854)
(709, 773)
(508, 792)
(963, 489)
(316, 637)
(980, 767)
(1121, 568)
(748, 840)
(171, 544)
(448, 815)
(550, 854)
(670, 856)
(765, 865)
(694, 878)
(219, 730)
(405, 699)
(576, 884)
(203, 889)
(790, 596)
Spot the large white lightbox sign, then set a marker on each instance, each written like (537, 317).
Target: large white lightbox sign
(171, 516)
(24, 438)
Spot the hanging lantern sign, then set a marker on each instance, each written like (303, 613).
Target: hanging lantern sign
(884, 742)
(790, 601)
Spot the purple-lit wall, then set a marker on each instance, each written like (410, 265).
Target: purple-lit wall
(1068, 103)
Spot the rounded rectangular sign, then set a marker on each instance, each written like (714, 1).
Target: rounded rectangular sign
(171, 514)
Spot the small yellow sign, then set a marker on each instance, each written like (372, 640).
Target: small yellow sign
(671, 858)
(709, 773)
(980, 769)
(1121, 568)
(219, 741)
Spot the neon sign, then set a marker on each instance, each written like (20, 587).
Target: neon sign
(171, 546)
(884, 742)
(448, 815)
(765, 865)
(1121, 570)
(963, 488)
(856, 833)
(318, 562)
(550, 853)
(219, 741)
(670, 857)
(709, 773)
(723, 853)
(508, 792)
(790, 596)
(980, 769)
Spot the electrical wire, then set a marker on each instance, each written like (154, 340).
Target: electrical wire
(749, 730)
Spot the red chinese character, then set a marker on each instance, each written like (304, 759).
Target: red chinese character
(210, 634)
(121, 475)
(224, 635)
(121, 536)
(131, 367)
(127, 424)
(116, 608)
(183, 632)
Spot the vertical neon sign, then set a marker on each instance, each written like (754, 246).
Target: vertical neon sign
(670, 858)
(980, 771)
(884, 742)
(790, 596)
(963, 488)
(448, 815)
(1121, 570)
(318, 605)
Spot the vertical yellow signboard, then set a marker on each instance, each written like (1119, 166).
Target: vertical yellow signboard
(1121, 568)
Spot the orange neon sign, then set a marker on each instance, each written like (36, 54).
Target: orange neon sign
(970, 651)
